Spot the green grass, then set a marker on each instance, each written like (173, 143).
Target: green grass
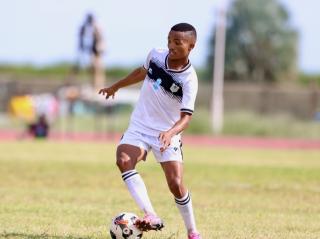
(53, 72)
(58, 71)
(285, 126)
(72, 190)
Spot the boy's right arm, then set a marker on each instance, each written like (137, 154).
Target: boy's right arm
(134, 77)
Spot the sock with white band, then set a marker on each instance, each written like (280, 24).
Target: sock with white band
(184, 205)
(138, 190)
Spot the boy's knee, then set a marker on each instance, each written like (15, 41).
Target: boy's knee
(124, 162)
(175, 185)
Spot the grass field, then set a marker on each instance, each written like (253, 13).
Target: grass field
(72, 190)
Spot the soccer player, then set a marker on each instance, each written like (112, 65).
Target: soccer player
(162, 112)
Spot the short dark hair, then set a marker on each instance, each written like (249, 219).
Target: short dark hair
(90, 17)
(184, 27)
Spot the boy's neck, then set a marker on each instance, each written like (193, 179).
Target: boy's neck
(178, 64)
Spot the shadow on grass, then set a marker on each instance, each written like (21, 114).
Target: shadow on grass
(35, 236)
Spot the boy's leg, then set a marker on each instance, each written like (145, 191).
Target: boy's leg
(127, 158)
(174, 174)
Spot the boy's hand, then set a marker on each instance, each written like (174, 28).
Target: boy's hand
(165, 140)
(110, 91)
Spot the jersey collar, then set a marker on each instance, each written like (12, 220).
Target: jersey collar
(176, 71)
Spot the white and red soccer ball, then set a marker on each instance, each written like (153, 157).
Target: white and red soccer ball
(122, 227)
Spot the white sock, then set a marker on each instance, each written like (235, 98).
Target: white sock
(184, 205)
(138, 190)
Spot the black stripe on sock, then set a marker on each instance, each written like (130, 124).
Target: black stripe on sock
(128, 172)
(129, 176)
(183, 202)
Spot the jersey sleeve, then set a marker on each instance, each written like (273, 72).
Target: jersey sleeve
(147, 62)
(190, 89)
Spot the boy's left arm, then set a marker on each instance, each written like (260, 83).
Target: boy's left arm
(179, 126)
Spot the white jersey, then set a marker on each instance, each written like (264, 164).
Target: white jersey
(164, 94)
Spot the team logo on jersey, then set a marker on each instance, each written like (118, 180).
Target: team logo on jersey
(174, 88)
(157, 84)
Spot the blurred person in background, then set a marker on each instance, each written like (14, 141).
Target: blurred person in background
(40, 128)
(91, 42)
(34, 112)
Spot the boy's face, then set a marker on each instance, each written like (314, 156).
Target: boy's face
(180, 44)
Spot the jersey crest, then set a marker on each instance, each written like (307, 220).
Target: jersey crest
(174, 88)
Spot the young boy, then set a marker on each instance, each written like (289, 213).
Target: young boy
(163, 111)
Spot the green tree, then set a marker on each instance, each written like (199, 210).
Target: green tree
(260, 43)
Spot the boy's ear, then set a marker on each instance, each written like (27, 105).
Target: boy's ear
(191, 46)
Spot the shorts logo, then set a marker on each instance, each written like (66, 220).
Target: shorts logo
(175, 148)
(157, 84)
(150, 70)
(174, 88)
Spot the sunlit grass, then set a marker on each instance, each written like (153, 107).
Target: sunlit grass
(285, 126)
(72, 190)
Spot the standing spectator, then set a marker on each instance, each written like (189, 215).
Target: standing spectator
(91, 42)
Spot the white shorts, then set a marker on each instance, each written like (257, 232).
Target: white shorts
(147, 142)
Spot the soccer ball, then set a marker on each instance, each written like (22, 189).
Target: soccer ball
(122, 227)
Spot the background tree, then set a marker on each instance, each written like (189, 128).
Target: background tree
(260, 43)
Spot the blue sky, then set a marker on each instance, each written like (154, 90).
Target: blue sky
(44, 32)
